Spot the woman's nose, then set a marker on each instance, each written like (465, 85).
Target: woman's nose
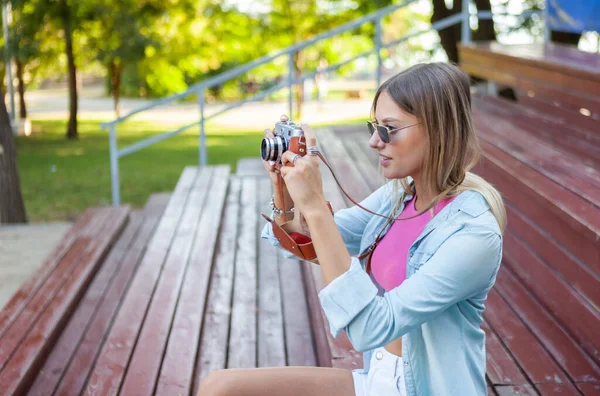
(375, 141)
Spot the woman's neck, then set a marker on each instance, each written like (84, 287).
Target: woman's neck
(422, 197)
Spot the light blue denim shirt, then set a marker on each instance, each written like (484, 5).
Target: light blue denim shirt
(437, 310)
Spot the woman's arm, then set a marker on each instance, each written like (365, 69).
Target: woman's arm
(464, 265)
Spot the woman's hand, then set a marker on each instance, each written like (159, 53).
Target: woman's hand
(270, 165)
(303, 178)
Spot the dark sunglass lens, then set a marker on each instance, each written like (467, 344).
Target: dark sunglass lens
(371, 130)
(383, 133)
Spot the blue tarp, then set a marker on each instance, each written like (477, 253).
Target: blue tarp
(574, 16)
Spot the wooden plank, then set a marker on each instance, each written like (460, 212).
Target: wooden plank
(572, 221)
(512, 390)
(526, 350)
(110, 367)
(363, 163)
(344, 168)
(562, 135)
(144, 366)
(500, 366)
(557, 389)
(29, 289)
(24, 322)
(24, 363)
(69, 340)
(271, 338)
(213, 344)
(298, 333)
(578, 274)
(78, 368)
(589, 389)
(179, 361)
(556, 340)
(242, 338)
(555, 164)
(573, 312)
(319, 331)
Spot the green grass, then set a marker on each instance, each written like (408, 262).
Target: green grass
(60, 178)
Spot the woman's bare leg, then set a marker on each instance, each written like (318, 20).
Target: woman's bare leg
(278, 381)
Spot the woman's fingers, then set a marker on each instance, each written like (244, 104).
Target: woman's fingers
(309, 134)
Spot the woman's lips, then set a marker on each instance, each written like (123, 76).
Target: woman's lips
(384, 160)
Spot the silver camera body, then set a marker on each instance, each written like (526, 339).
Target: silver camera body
(271, 149)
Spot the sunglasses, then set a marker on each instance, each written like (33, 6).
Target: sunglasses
(383, 131)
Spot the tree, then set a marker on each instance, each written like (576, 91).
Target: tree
(12, 209)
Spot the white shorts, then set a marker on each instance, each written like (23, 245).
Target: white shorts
(385, 376)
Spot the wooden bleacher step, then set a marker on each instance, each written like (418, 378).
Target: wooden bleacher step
(72, 357)
(39, 311)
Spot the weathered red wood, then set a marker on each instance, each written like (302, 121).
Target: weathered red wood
(550, 127)
(109, 369)
(557, 389)
(589, 389)
(582, 320)
(557, 65)
(500, 366)
(144, 367)
(578, 274)
(179, 361)
(573, 117)
(537, 154)
(513, 390)
(271, 335)
(566, 352)
(69, 340)
(527, 351)
(212, 354)
(80, 364)
(571, 221)
(298, 334)
(23, 323)
(319, 331)
(25, 362)
(242, 338)
(28, 290)
(345, 169)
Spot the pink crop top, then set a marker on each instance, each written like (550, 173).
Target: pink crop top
(388, 264)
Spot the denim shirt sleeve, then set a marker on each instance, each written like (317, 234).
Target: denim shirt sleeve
(463, 266)
(351, 222)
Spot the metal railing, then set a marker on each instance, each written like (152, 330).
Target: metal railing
(200, 88)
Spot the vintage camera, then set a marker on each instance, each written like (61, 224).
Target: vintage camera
(288, 136)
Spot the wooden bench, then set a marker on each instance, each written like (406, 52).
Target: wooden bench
(36, 315)
(554, 79)
(187, 288)
(541, 317)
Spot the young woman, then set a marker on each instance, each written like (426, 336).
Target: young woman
(415, 306)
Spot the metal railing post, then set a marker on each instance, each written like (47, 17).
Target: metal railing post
(466, 27)
(378, 49)
(202, 135)
(9, 76)
(290, 83)
(114, 166)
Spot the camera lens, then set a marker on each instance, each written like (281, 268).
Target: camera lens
(271, 149)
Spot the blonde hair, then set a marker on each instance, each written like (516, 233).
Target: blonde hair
(438, 95)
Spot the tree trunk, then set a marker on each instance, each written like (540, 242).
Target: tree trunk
(450, 36)
(116, 71)
(72, 71)
(12, 209)
(21, 88)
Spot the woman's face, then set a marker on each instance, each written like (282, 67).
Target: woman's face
(404, 154)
